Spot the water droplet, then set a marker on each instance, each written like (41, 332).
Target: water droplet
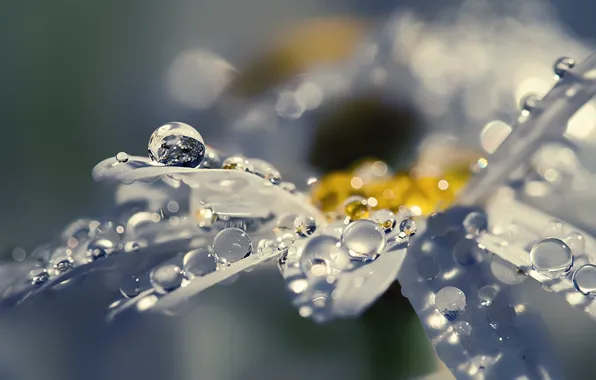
(130, 286)
(205, 216)
(562, 65)
(177, 144)
(356, 208)
(364, 240)
(305, 225)
(529, 103)
(385, 219)
(475, 223)
(487, 294)
(100, 248)
(467, 252)
(266, 170)
(584, 279)
(62, 263)
(288, 106)
(19, 254)
(166, 278)
(427, 267)
(38, 276)
(298, 285)
(451, 302)
(132, 246)
(322, 256)
(407, 227)
(232, 244)
(211, 160)
(237, 162)
(576, 242)
(551, 256)
(199, 262)
(438, 225)
(122, 157)
(284, 242)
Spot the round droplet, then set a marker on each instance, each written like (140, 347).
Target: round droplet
(285, 224)
(284, 242)
(475, 223)
(305, 225)
(407, 227)
(323, 256)
(451, 302)
(266, 170)
(584, 280)
(487, 294)
(562, 65)
(427, 267)
(438, 225)
(288, 106)
(130, 286)
(166, 278)
(364, 240)
(211, 160)
(356, 208)
(239, 163)
(551, 256)
(177, 144)
(62, 264)
(232, 244)
(467, 253)
(199, 262)
(122, 157)
(576, 242)
(100, 248)
(38, 276)
(385, 219)
(529, 103)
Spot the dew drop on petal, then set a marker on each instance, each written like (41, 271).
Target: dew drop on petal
(199, 262)
(551, 256)
(305, 225)
(232, 244)
(364, 240)
(584, 279)
(451, 302)
(322, 256)
(385, 219)
(176, 144)
(166, 278)
(130, 286)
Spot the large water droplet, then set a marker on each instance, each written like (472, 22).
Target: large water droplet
(305, 225)
(385, 219)
(166, 278)
(199, 262)
(466, 252)
(177, 144)
(232, 244)
(475, 223)
(487, 294)
(364, 240)
(584, 279)
(551, 256)
(323, 256)
(130, 286)
(562, 65)
(451, 302)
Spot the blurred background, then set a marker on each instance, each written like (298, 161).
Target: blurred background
(81, 81)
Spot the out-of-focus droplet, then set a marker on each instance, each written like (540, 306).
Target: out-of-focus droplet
(427, 267)
(211, 159)
(266, 170)
(529, 103)
(576, 242)
(199, 262)
(364, 240)
(100, 248)
(385, 219)
(584, 280)
(122, 157)
(166, 278)
(177, 144)
(284, 242)
(289, 106)
(237, 162)
(493, 135)
(551, 256)
(407, 228)
(205, 216)
(130, 286)
(285, 224)
(62, 264)
(475, 223)
(438, 225)
(323, 256)
(451, 302)
(38, 276)
(356, 208)
(305, 225)
(563, 65)
(487, 294)
(467, 252)
(232, 244)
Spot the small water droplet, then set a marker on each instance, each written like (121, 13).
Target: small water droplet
(475, 223)
(551, 256)
(166, 278)
(576, 242)
(177, 144)
(199, 262)
(529, 103)
(584, 280)
(467, 252)
(487, 294)
(305, 225)
(356, 208)
(62, 264)
(38, 276)
(364, 240)
(385, 219)
(451, 302)
(122, 157)
(211, 160)
(100, 248)
(322, 256)
(232, 244)
(130, 286)
(563, 65)
(288, 106)
(266, 170)
(407, 228)
(205, 216)
(131, 246)
(284, 242)
(237, 162)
